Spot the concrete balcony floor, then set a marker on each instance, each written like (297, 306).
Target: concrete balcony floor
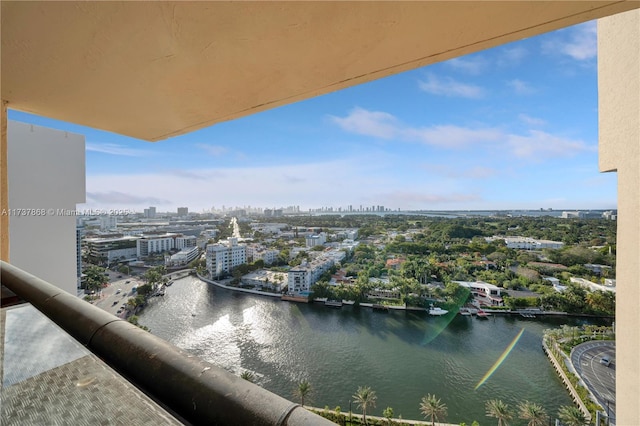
(49, 378)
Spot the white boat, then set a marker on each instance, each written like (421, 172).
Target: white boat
(465, 311)
(437, 311)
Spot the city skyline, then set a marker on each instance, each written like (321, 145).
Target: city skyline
(513, 127)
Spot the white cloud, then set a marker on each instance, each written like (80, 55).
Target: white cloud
(450, 87)
(535, 146)
(214, 150)
(531, 121)
(116, 198)
(386, 126)
(539, 145)
(370, 123)
(512, 56)
(343, 181)
(456, 171)
(115, 149)
(449, 136)
(470, 65)
(579, 42)
(521, 87)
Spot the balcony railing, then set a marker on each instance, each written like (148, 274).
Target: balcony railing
(194, 390)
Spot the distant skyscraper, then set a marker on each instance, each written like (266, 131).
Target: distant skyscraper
(150, 212)
(183, 211)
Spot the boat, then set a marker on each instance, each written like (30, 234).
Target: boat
(465, 311)
(437, 311)
(333, 303)
(379, 307)
(482, 314)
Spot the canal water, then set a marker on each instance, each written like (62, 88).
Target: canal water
(402, 356)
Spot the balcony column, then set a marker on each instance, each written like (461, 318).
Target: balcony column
(619, 150)
(4, 187)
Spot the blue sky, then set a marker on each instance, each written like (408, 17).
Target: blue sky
(514, 127)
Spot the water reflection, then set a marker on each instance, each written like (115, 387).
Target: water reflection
(401, 355)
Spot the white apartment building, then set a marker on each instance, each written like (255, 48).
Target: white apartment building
(222, 258)
(45, 173)
(302, 277)
(316, 239)
(108, 222)
(256, 251)
(149, 244)
(183, 257)
(266, 279)
(186, 241)
(573, 215)
(526, 243)
(591, 286)
(299, 280)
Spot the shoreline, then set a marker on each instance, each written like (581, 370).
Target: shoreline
(519, 312)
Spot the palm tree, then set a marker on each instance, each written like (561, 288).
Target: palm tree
(302, 391)
(388, 414)
(432, 407)
(365, 398)
(248, 376)
(572, 416)
(499, 410)
(533, 412)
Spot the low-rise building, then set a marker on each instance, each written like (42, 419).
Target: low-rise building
(316, 239)
(105, 251)
(591, 286)
(150, 243)
(485, 293)
(183, 257)
(526, 243)
(266, 279)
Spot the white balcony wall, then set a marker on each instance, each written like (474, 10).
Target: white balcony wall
(46, 173)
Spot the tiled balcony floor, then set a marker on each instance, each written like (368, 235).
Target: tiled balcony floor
(50, 379)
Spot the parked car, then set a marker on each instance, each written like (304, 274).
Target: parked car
(605, 361)
(118, 291)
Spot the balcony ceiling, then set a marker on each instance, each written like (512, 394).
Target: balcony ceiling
(153, 70)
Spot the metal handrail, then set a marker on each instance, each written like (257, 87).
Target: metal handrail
(196, 391)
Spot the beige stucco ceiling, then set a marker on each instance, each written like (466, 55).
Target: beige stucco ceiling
(152, 70)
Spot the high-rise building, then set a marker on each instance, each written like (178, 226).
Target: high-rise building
(183, 211)
(150, 213)
(222, 258)
(45, 242)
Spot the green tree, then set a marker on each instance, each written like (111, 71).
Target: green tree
(499, 410)
(570, 415)
(431, 407)
(365, 397)
(95, 278)
(388, 414)
(302, 391)
(133, 319)
(534, 413)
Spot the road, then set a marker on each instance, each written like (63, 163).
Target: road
(599, 378)
(110, 294)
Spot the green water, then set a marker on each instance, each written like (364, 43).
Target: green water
(402, 356)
